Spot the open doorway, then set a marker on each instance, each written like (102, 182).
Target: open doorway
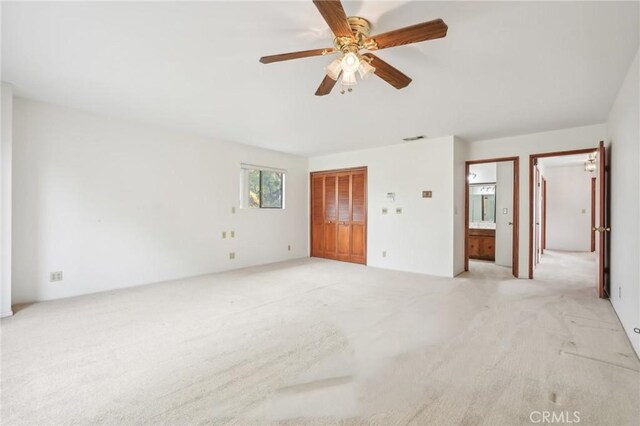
(491, 213)
(567, 210)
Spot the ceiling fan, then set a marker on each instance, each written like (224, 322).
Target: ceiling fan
(351, 36)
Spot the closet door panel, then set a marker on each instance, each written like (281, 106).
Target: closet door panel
(359, 201)
(331, 216)
(344, 242)
(317, 216)
(358, 250)
(344, 216)
(359, 217)
(344, 198)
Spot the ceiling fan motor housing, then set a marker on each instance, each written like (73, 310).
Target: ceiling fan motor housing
(361, 28)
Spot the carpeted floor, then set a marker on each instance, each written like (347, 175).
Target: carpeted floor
(321, 342)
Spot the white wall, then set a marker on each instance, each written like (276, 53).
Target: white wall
(623, 136)
(568, 208)
(6, 146)
(524, 145)
(504, 200)
(460, 154)
(421, 239)
(115, 204)
(485, 173)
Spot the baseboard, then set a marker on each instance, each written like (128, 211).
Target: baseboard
(6, 314)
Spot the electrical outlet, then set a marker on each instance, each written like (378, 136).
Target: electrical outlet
(398, 210)
(384, 210)
(224, 234)
(384, 253)
(289, 247)
(233, 209)
(233, 234)
(427, 194)
(232, 256)
(55, 276)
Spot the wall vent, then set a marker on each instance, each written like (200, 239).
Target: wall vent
(414, 138)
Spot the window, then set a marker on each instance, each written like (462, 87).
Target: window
(263, 188)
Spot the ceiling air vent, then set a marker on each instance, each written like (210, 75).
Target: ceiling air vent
(414, 138)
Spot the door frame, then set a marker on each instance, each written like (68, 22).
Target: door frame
(593, 213)
(366, 203)
(537, 209)
(533, 159)
(603, 282)
(543, 229)
(515, 209)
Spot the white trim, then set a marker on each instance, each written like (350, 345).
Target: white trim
(6, 314)
(246, 166)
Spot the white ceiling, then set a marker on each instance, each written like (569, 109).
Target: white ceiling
(505, 68)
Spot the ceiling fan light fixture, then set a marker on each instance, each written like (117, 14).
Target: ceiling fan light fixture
(365, 70)
(348, 81)
(334, 69)
(350, 63)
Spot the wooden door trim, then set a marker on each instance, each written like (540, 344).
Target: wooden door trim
(311, 253)
(335, 172)
(593, 214)
(515, 252)
(543, 229)
(532, 161)
(536, 246)
(602, 254)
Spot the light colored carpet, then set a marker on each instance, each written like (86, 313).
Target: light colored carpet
(320, 342)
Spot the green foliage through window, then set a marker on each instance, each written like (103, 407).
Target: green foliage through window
(265, 189)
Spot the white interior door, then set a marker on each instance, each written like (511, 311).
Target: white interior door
(504, 213)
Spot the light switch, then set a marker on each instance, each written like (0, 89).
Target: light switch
(233, 209)
(398, 210)
(384, 210)
(584, 211)
(224, 234)
(505, 211)
(427, 194)
(233, 234)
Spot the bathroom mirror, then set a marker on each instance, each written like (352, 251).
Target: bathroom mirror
(482, 203)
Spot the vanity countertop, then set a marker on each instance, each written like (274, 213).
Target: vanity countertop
(482, 225)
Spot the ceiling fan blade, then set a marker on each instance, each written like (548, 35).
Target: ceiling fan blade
(413, 34)
(333, 13)
(388, 73)
(326, 86)
(295, 55)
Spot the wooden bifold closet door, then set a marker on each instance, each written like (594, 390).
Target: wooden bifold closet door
(339, 215)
